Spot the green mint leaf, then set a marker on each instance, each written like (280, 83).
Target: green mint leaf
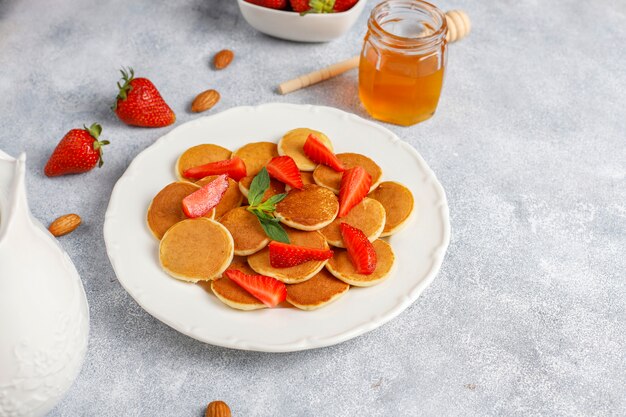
(270, 203)
(274, 230)
(258, 187)
(275, 199)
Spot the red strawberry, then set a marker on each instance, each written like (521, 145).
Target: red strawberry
(343, 5)
(272, 4)
(360, 249)
(140, 104)
(268, 290)
(200, 202)
(283, 255)
(331, 6)
(79, 151)
(299, 5)
(234, 168)
(284, 169)
(320, 154)
(355, 184)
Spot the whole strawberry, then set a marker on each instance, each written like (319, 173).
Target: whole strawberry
(139, 103)
(330, 6)
(272, 4)
(79, 151)
(299, 6)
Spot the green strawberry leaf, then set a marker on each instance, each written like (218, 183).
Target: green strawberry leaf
(258, 187)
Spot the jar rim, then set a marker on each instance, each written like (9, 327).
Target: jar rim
(384, 8)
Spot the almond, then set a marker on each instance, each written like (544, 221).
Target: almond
(223, 59)
(217, 409)
(64, 224)
(205, 100)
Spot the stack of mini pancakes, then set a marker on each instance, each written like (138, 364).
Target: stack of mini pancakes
(200, 250)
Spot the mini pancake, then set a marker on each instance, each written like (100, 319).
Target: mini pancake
(200, 155)
(398, 203)
(244, 227)
(307, 178)
(231, 293)
(292, 145)
(310, 208)
(316, 292)
(166, 207)
(231, 199)
(260, 261)
(256, 155)
(276, 187)
(196, 250)
(367, 216)
(341, 266)
(329, 178)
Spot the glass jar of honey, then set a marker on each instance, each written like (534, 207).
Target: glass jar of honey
(403, 61)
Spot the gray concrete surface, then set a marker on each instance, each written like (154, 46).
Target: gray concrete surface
(528, 315)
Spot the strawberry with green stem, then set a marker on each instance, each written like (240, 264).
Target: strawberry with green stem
(139, 103)
(79, 151)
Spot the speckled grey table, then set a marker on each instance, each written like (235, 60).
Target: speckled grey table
(528, 315)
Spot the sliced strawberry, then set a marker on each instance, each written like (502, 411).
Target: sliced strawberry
(200, 202)
(234, 168)
(320, 154)
(355, 184)
(283, 255)
(268, 290)
(360, 249)
(284, 169)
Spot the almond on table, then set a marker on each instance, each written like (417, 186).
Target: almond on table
(64, 224)
(205, 101)
(223, 59)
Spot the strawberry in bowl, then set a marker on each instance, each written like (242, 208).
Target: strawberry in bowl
(302, 20)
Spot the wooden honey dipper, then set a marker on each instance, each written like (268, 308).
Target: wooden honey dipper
(459, 26)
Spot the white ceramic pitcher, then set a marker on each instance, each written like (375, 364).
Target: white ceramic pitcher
(44, 319)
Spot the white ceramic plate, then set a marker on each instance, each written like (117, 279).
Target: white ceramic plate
(133, 251)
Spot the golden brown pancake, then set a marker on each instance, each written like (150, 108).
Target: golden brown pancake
(260, 261)
(231, 199)
(166, 207)
(200, 155)
(310, 208)
(231, 293)
(329, 178)
(292, 145)
(307, 178)
(256, 155)
(247, 233)
(398, 203)
(367, 216)
(196, 250)
(316, 292)
(341, 266)
(276, 187)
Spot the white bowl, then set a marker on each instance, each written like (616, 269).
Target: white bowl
(312, 27)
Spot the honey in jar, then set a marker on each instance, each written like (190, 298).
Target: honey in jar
(403, 61)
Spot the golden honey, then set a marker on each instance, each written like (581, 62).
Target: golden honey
(403, 61)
